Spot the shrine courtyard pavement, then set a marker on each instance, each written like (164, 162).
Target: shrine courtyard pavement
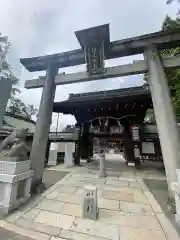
(127, 210)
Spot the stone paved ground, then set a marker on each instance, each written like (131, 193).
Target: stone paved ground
(128, 211)
(8, 235)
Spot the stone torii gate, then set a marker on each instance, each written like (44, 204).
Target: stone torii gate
(95, 49)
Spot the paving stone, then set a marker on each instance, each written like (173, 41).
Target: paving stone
(50, 190)
(72, 209)
(112, 178)
(127, 179)
(14, 216)
(135, 208)
(119, 196)
(139, 197)
(117, 183)
(155, 206)
(149, 222)
(65, 189)
(39, 227)
(55, 219)
(118, 189)
(129, 233)
(95, 228)
(142, 184)
(168, 228)
(134, 185)
(25, 232)
(71, 235)
(31, 214)
(57, 238)
(31, 203)
(118, 218)
(69, 198)
(52, 195)
(108, 204)
(128, 174)
(50, 205)
(9, 235)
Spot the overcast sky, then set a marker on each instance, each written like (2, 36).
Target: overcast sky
(39, 27)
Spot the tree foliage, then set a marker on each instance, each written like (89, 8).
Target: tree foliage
(15, 105)
(29, 110)
(5, 69)
(69, 128)
(171, 1)
(173, 75)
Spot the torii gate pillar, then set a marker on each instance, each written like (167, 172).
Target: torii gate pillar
(165, 117)
(38, 151)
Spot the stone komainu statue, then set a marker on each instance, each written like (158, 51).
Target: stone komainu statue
(16, 142)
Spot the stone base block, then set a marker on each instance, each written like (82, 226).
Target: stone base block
(14, 188)
(11, 167)
(5, 210)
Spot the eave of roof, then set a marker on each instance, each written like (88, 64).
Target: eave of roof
(76, 100)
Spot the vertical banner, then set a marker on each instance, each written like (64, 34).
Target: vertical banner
(5, 91)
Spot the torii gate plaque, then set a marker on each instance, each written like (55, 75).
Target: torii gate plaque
(95, 48)
(93, 41)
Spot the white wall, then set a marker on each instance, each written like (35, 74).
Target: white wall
(61, 147)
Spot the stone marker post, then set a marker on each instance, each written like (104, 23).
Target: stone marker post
(102, 172)
(90, 209)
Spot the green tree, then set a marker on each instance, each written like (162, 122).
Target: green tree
(15, 105)
(5, 69)
(29, 110)
(173, 75)
(69, 128)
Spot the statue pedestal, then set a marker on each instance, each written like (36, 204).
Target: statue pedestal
(15, 183)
